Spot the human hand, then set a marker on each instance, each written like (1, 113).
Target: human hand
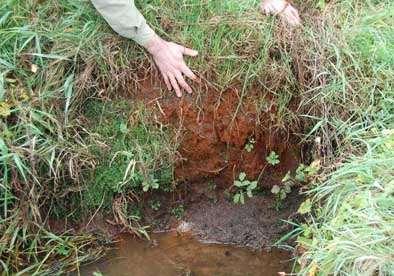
(168, 57)
(282, 8)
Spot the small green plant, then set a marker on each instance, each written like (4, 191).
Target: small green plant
(155, 205)
(303, 174)
(152, 184)
(63, 250)
(250, 144)
(244, 186)
(211, 186)
(273, 158)
(178, 211)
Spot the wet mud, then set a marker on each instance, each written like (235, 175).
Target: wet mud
(171, 254)
(255, 224)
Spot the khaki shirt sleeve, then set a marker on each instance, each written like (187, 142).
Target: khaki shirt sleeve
(125, 19)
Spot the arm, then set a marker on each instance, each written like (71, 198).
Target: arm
(126, 20)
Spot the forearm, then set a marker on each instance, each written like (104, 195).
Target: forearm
(125, 19)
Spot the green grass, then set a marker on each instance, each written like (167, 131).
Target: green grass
(134, 153)
(351, 230)
(66, 148)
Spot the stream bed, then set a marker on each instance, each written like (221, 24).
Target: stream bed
(173, 254)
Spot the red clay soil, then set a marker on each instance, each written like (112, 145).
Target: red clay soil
(214, 128)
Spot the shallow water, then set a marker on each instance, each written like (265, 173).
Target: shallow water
(171, 254)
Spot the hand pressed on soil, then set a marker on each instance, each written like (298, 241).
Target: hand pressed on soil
(282, 8)
(168, 57)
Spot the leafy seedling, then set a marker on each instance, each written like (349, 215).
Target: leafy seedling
(243, 186)
(273, 158)
(178, 211)
(155, 205)
(250, 145)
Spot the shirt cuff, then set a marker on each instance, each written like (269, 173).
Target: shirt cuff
(143, 34)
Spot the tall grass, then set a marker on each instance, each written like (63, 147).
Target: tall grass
(351, 231)
(350, 228)
(55, 56)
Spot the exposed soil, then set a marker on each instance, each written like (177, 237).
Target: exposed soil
(255, 224)
(214, 218)
(214, 127)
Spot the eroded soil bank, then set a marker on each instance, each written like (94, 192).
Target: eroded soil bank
(219, 135)
(213, 128)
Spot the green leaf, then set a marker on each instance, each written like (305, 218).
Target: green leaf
(20, 165)
(249, 193)
(287, 177)
(253, 185)
(242, 176)
(145, 186)
(275, 189)
(300, 173)
(123, 128)
(242, 198)
(238, 183)
(236, 198)
(273, 158)
(68, 92)
(63, 250)
(305, 207)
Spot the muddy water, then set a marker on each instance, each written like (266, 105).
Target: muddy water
(171, 254)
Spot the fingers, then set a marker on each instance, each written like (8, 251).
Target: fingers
(291, 16)
(183, 83)
(187, 72)
(175, 85)
(266, 9)
(189, 52)
(167, 82)
(296, 17)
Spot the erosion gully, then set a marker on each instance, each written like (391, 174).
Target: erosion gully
(226, 239)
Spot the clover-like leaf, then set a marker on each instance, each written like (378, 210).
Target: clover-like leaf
(275, 189)
(273, 158)
(253, 185)
(242, 176)
(238, 183)
(305, 207)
